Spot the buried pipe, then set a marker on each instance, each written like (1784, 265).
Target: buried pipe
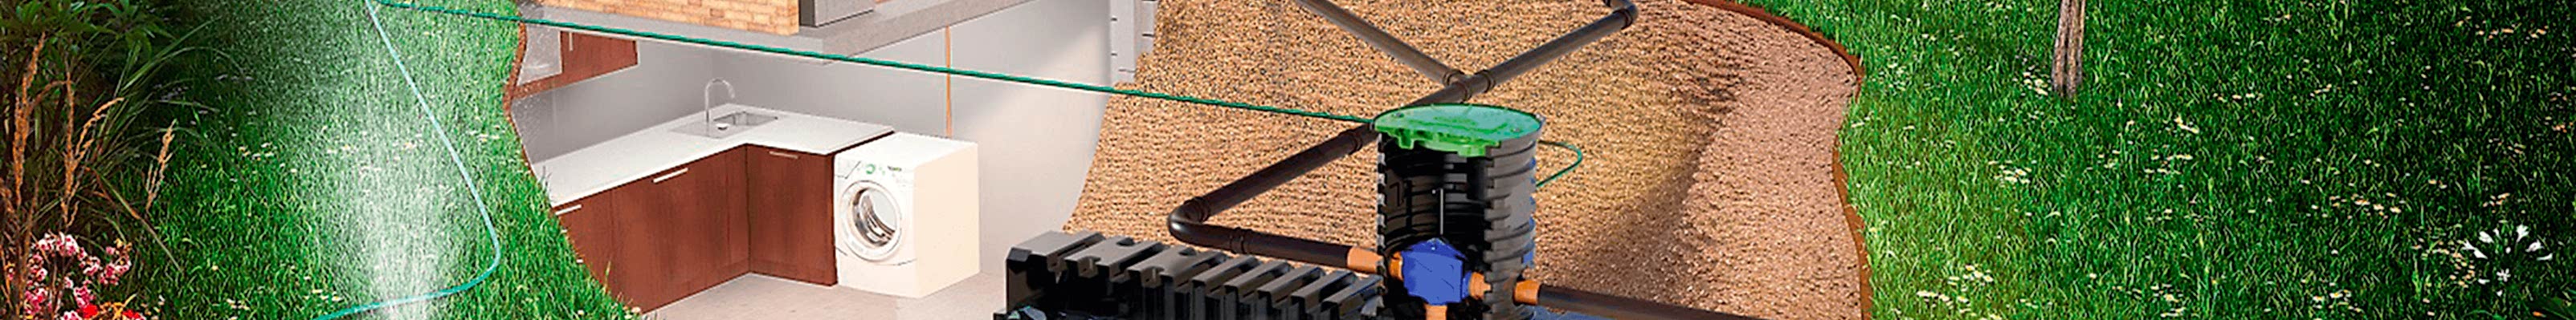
(1622, 14)
(1377, 38)
(1614, 307)
(1189, 221)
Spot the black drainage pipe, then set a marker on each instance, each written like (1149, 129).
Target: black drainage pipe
(1622, 14)
(1624, 308)
(1377, 38)
(1189, 222)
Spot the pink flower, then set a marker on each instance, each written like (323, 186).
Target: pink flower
(35, 300)
(81, 296)
(59, 244)
(47, 243)
(38, 296)
(115, 270)
(107, 273)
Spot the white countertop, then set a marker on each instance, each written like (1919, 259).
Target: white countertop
(599, 167)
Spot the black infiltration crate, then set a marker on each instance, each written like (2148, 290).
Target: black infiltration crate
(1090, 276)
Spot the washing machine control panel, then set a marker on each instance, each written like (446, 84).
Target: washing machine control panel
(889, 175)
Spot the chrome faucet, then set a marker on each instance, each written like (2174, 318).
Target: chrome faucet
(708, 98)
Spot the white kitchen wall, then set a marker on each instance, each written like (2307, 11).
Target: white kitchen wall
(1037, 142)
(909, 101)
(663, 85)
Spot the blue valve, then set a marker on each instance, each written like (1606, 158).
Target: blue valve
(1435, 272)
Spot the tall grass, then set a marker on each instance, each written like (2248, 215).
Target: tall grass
(81, 74)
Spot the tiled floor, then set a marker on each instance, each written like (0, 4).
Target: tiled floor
(763, 297)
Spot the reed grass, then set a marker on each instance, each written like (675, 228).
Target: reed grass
(80, 161)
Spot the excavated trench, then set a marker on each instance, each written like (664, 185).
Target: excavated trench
(1713, 179)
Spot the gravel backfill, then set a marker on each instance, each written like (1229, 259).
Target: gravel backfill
(1711, 136)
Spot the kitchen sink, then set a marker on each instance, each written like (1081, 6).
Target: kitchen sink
(727, 125)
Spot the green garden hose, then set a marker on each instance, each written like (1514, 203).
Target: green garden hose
(465, 175)
(1560, 173)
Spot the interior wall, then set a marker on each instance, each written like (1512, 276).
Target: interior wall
(909, 101)
(1037, 141)
(664, 84)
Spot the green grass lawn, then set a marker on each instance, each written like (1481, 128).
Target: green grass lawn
(2227, 160)
(316, 184)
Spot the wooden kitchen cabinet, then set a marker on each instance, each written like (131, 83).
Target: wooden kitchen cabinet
(791, 214)
(642, 245)
(584, 56)
(682, 231)
(590, 225)
(713, 231)
(590, 55)
(610, 239)
(676, 232)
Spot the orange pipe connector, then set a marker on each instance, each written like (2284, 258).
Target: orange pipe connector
(1365, 261)
(1361, 260)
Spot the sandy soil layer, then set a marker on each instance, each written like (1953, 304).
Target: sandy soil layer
(1712, 136)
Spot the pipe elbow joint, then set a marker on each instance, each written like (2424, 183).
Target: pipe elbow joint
(1623, 10)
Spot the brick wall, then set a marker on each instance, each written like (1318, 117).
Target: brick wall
(771, 16)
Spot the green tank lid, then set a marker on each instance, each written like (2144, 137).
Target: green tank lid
(1465, 129)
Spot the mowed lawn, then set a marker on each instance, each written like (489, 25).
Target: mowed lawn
(317, 184)
(2226, 160)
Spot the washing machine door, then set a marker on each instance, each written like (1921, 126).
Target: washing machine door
(876, 225)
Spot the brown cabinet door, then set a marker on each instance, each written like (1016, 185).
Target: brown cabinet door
(678, 231)
(645, 261)
(727, 229)
(696, 227)
(590, 56)
(791, 215)
(584, 56)
(589, 225)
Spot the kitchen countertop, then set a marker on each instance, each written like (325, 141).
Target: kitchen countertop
(597, 168)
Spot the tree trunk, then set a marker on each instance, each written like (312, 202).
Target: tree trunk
(2067, 73)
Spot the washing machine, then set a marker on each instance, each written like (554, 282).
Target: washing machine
(905, 214)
